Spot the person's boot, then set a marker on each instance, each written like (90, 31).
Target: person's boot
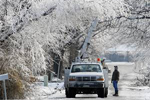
(117, 93)
(114, 94)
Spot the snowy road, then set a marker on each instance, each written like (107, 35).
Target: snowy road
(126, 90)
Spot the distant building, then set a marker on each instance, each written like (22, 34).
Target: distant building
(119, 54)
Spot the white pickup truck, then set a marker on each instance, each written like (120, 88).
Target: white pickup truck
(86, 78)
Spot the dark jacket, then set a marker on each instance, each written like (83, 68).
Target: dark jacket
(115, 76)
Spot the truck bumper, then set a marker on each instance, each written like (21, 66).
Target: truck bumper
(86, 85)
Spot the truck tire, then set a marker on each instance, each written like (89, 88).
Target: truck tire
(71, 93)
(67, 94)
(101, 92)
(106, 92)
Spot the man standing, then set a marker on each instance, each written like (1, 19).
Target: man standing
(115, 79)
(104, 64)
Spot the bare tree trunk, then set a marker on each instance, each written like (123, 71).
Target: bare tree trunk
(61, 64)
(73, 53)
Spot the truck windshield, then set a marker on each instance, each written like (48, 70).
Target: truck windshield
(86, 68)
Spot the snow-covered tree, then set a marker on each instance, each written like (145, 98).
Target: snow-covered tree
(134, 30)
(27, 26)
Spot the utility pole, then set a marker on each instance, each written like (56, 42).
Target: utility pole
(83, 50)
(6, 3)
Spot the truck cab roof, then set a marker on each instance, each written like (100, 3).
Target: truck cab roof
(75, 63)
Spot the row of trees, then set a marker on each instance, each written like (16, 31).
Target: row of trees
(134, 30)
(33, 31)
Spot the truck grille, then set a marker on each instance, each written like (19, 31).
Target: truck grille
(93, 78)
(85, 78)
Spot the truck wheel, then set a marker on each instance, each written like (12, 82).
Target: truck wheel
(71, 93)
(106, 92)
(67, 93)
(101, 92)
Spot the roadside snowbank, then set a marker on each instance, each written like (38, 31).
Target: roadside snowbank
(41, 79)
(39, 91)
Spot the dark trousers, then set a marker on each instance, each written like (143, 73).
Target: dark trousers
(115, 84)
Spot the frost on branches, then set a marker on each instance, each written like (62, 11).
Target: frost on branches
(134, 30)
(28, 26)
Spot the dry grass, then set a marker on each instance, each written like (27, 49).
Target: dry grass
(15, 86)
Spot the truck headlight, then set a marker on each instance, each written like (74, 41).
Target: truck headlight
(72, 78)
(100, 78)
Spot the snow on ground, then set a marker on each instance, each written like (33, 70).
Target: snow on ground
(39, 91)
(127, 88)
(119, 63)
(41, 79)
